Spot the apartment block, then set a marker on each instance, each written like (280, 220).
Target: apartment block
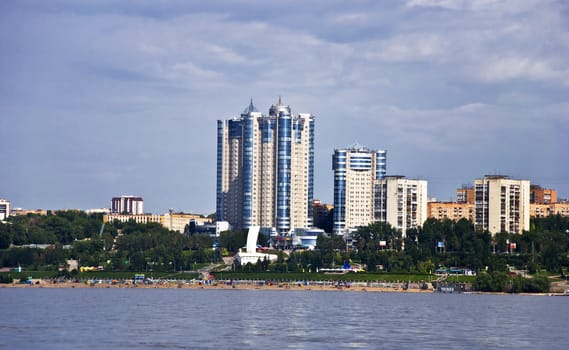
(465, 194)
(545, 210)
(539, 195)
(401, 202)
(502, 204)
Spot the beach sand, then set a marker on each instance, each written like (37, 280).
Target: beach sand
(219, 286)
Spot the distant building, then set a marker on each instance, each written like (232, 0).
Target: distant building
(502, 204)
(20, 211)
(321, 214)
(465, 194)
(171, 221)
(539, 195)
(212, 229)
(98, 211)
(4, 209)
(401, 202)
(356, 169)
(127, 205)
(451, 210)
(545, 210)
(138, 218)
(178, 221)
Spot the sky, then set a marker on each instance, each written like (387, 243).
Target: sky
(106, 98)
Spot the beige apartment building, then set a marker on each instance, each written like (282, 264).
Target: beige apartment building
(502, 204)
(545, 210)
(138, 218)
(401, 202)
(171, 221)
(178, 221)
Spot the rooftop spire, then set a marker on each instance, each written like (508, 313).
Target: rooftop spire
(251, 108)
(280, 102)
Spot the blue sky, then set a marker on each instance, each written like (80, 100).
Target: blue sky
(103, 98)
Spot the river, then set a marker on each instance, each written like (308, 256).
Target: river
(118, 318)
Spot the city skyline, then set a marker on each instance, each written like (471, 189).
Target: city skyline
(104, 99)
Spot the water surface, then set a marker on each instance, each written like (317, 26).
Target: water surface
(253, 319)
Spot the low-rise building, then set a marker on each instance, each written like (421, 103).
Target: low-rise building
(138, 218)
(171, 221)
(451, 210)
(20, 211)
(545, 210)
(178, 221)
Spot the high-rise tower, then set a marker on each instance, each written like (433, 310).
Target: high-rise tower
(356, 169)
(265, 169)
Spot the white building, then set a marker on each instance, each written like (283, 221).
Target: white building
(502, 204)
(127, 205)
(250, 254)
(4, 209)
(401, 202)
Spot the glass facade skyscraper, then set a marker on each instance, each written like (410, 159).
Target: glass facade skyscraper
(265, 169)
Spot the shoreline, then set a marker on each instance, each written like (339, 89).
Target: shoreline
(216, 286)
(39, 284)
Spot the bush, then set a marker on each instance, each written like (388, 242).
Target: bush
(6, 278)
(491, 282)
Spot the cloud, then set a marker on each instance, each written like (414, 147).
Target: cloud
(508, 68)
(407, 48)
(451, 80)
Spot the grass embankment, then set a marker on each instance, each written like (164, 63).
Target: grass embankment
(6, 277)
(314, 276)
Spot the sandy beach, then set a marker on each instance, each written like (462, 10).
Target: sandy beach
(220, 285)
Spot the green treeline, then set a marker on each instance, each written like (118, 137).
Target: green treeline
(377, 247)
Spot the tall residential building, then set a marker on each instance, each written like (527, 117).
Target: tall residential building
(356, 169)
(502, 204)
(4, 209)
(401, 202)
(127, 205)
(265, 169)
